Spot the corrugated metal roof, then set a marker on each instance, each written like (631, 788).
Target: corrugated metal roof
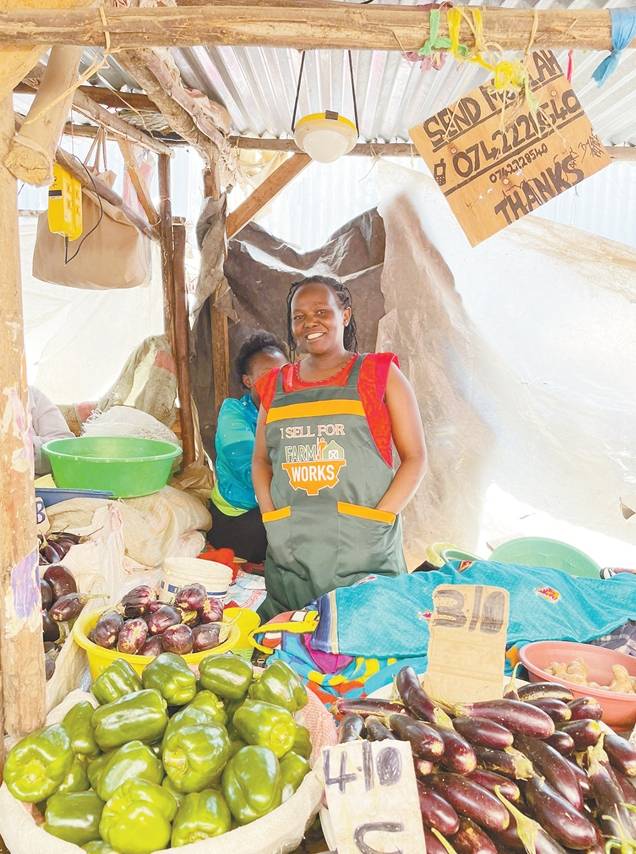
(257, 85)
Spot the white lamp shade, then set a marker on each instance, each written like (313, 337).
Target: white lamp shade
(325, 136)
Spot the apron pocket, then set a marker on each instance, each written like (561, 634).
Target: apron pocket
(367, 540)
(281, 526)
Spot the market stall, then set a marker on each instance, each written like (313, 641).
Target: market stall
(432, 711)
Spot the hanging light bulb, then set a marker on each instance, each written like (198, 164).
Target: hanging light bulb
(325, 136)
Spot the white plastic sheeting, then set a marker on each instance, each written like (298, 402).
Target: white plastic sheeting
(523, 355)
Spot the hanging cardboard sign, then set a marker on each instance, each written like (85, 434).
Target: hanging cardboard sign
(496, 160)
(467, 644)
(372, 798)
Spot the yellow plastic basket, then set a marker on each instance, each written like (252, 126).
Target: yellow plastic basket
(99, 658)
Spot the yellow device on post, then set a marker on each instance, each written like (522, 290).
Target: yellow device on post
(65, 204)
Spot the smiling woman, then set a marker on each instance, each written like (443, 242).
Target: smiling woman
(323, 461)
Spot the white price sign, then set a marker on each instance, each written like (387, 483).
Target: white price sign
(372, 798)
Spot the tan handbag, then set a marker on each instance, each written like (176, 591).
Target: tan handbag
(111, 252)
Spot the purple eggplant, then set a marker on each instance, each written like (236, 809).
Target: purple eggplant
(177, 639)
(74, 539)
(132, 636)
(154, 606)
(162, 619)
(556, 769)
(135, 603)
(153, 646)
(436, 811)
(622, 754)
(67, 607)
(351, 729)
(582, 779)
(484, 733)
(423, 767)
(50, 629)
(416, 700)
(559, 711)
(544, 690)
(562, 742)
(425, 741)
(433, 844)
(518, 717)
(471, 839)
(377, 731)
(471, 800)
(509, 762)
(50, 554)
(60, 579)
(366, 706)
(107, 629)
(614, 817)
(584, 733)
(586, 708)
(211, 611)
(206, 636)
(558, 817)
(191, 598)
(46, 592)
(458, 755)
(491, 781)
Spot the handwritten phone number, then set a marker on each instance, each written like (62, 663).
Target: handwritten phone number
(518, 163)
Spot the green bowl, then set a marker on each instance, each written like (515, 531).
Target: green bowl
(126, 466)
(541, 551)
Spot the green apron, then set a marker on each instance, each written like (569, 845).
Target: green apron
(327, 478)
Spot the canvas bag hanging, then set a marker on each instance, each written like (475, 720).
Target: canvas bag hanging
(111, 252)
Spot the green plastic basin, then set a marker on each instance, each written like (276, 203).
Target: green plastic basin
(540, 551)
(126, 466)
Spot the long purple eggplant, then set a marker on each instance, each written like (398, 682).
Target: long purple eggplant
(366, 706)
(517, 716)
(458, 755)
(434, 846)
(586, 708)
(559, 711)
(543, 690)
(491, 781)
(614, 817)
(556, 769)
(471, 800)
(622, 754)
(562, 742)
(582, 779)
(484, 733)
(436, 811)
(509, 762)
(425, 741)
(415, 698)
(375, 729)
(584, 733)
(471, 839)
(558, 817)
(350, 729)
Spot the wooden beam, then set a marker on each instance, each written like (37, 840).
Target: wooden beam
(167, 247)
(265, 192)
(625, 153)
(219, 333)
(136, 180)
(85, 105)
(181, 347)
(106, 97)
(324, 25)
(21, 652)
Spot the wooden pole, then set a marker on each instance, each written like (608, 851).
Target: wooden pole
(21, 650)
(321, 25)
(166, 242)
(136, 180)
(182, 340)
(265, 192)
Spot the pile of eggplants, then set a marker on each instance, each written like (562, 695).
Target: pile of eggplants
(61, 601)
(143, 625)
(536, 771)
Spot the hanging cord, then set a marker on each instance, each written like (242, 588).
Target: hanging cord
(623, 31)
(300, 77)
(353, 92)
(67, 260)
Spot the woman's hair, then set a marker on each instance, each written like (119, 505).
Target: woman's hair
(343, 295)
(259, 342)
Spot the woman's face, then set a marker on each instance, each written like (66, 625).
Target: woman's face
(318, 319)
(260, 364)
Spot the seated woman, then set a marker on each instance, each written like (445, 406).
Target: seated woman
(236, 519)
(47, 423)
(323, 467)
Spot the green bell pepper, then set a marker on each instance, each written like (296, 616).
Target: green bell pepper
(77, 779)
(137, 819)
(281, 686)
(200, 816)
(293, 770)
(252, 783)
(170, 675)
(116, 681)
(132, 761)
(99, 847)
(177, 795)
(206, 709)
(77, 723)
(37, 764)
(74, 816)
(227, 675)
(95, 768)
(302, 741)
(139, 716)
(265, 725)
(194, 756)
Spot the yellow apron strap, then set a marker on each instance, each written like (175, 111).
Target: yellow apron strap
(300, 627)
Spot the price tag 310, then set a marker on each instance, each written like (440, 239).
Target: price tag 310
(467, 645)
(372, 798)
